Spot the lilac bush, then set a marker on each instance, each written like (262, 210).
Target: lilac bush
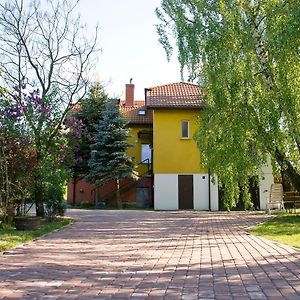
(30, 120)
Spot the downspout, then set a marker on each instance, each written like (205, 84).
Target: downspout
(152, 160)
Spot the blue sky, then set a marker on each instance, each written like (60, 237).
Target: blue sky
(130, 47)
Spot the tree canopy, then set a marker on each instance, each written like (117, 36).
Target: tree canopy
(87, 114)
(45, 60)
(246, 55)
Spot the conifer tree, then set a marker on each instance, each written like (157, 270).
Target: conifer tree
(82, 119)
(89, 113)
(109, 160)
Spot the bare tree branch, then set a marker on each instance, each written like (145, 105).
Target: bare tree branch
(50, 47)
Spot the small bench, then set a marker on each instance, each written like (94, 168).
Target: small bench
(291, 201)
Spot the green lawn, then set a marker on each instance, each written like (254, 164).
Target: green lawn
(10, 237)
(284, 228)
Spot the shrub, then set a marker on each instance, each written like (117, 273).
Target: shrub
(55, 205)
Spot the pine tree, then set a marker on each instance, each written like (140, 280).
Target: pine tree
(86, 114)
(90, 112)
(109, 160)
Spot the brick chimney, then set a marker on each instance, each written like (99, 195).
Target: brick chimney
(129, 94)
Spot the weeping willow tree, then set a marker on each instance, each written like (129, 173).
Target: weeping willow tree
(246, 55)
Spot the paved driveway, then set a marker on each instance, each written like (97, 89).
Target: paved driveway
(153, 255)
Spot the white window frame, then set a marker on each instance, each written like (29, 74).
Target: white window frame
(188, 130)
(145, 155)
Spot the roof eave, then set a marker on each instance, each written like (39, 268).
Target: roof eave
(175, 107)
(140, 123)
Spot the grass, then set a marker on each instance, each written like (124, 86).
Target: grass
(284, 228)
(10, 237)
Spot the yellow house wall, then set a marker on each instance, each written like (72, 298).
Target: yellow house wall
(135, 151)
(171, 153)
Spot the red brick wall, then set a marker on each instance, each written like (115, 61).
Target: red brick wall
(85, 191)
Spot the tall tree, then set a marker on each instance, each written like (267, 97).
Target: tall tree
(245, 54)
(86, 114)
(89, 111)
(109, 160)
(18, 152)
(44, 46)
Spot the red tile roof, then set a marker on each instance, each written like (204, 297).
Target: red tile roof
(137, 103)
(130, 113)
(75, 107)
(175, 95)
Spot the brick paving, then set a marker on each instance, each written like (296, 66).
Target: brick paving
(152, 255)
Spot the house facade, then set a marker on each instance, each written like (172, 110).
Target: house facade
(179, 180)
(161, 130)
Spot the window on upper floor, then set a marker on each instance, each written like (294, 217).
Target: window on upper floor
(185, 129)
(146, 153)
(142, 112)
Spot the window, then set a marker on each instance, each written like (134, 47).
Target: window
(185, 129)
(142, 112)
(146, 153)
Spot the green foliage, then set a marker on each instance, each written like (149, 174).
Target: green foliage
(52, 186)
(55, 203)
(89, 113)
(91, 108)
(245, 54)
(45, 50)
(28, 150)
(109, 159)
(84, 204)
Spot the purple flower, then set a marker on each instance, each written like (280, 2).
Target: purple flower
(76, 132)
(13, 112)
(45, 111)
(35, 99)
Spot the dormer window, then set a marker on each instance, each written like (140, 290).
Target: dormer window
(142, 112)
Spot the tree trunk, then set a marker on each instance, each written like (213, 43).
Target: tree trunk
(38, 199)
(38, 194)
(286, 182)
(118, 194)
(262, 55)
(97, 195)
(38, 191)
(291, 172)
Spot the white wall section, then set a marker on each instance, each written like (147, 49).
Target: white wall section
(201, 196)
(265, 180)
(166, 191)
